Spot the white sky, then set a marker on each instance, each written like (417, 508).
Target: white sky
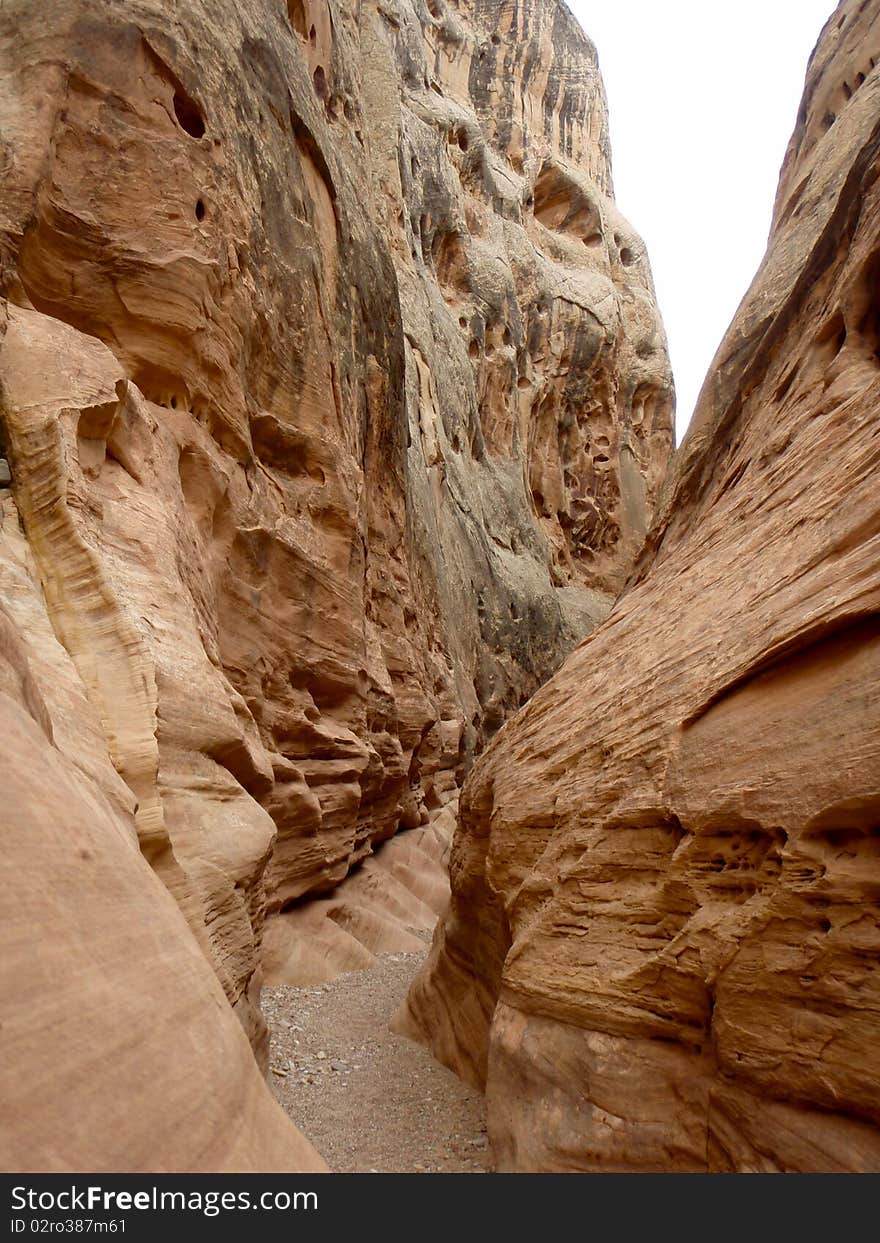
(703, 97)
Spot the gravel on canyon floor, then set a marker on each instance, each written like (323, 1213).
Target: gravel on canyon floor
(370, 1101)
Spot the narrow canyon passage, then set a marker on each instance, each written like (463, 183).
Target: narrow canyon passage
(338, 969)
(337, 480)
(369, 1100)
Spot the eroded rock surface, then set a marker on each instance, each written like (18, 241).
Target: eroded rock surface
(663, 942)
(334, 402)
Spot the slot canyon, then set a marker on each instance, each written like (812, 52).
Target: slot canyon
(411, 760)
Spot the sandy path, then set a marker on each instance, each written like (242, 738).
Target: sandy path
(370, 1101)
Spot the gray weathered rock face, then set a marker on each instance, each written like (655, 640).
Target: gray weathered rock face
(336, 401)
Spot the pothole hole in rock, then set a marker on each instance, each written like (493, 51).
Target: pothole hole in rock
(785, 385)
(451, 264)
(296, 12)
(562, 204)
(831, 339)
(866, 307)
(188, 114)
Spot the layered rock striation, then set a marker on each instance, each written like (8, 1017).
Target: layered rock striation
(663, 941)
(335, 403)
(119, 1047)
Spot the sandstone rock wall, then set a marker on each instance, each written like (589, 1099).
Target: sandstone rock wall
(663, 942)
(119, 1049)
(335, 402)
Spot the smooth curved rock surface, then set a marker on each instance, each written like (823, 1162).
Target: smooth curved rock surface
(662, 946)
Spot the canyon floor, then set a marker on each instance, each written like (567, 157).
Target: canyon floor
(369, 1100)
